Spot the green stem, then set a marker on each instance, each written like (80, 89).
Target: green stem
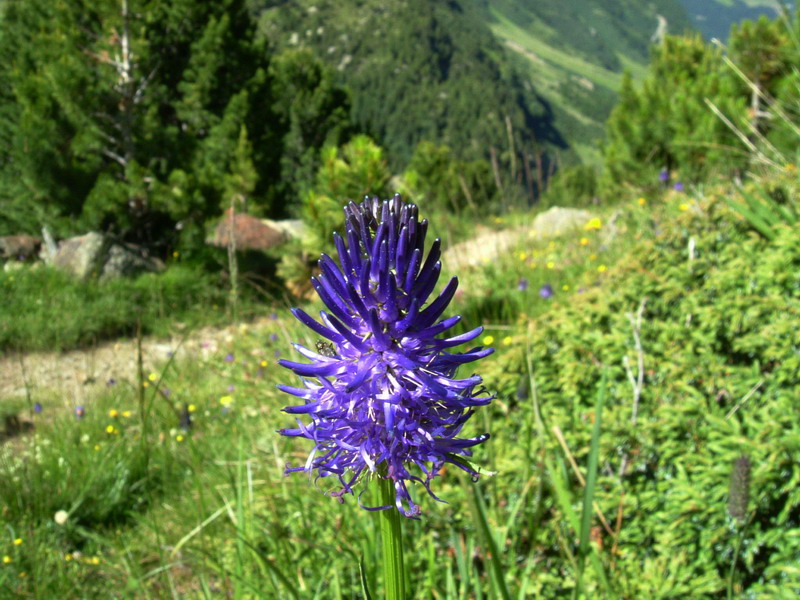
(391, 534)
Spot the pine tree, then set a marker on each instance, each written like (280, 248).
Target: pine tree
(135, 116)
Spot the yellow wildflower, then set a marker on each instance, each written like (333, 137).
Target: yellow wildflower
(584, 241)
(226, 400)
(145, 384)
(113, 413)
(179, 438)
(67, 557)
(523, 256)
(683, 206)
(110, 429)
(126, 414)
(601, 269)
(176, 254)
(191, 408)
(95, 560)
(153, 376)
(593, 257)
(263, 363)
(488, 340)
(642, 201)
(96, 447)
(18, 542)
(6, 559)
(507, 340)
(594, 223)
(551, 264)
(565, 287)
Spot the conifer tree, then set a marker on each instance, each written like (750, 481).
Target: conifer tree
(135, 116)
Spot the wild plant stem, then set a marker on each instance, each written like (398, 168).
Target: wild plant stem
(391, 534)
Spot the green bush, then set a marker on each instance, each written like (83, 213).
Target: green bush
(721, 360)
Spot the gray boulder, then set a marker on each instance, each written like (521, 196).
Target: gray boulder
(558, 220)
(82, 256)
(127, 260)
(95, 255)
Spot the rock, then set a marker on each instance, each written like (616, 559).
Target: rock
(557, 220)
(19, 247)
(291, 228)
(249, 233)
(82, 256)
(126, 260)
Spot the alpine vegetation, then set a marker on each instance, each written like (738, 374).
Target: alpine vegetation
(382, 396)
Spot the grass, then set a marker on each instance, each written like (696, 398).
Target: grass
(45, 309)
(562, 61)
(157, 511)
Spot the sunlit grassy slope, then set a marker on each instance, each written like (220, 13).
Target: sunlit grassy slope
(155, 507)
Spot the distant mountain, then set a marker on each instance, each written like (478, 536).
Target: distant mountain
(576, 50)
(479, 75)
(420, 71)
(713, 18)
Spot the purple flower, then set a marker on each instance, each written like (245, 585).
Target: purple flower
(663, 176)
(111, 382)
(229, 358)
(231, 388)
(273, 337)
(79, 412)
(678, 187)
(523, 284)
(546, 291)
(37, 408)
(381, 394)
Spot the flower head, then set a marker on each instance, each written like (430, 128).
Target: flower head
(381, 394)
(546, 291)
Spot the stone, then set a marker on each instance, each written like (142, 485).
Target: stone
(557, 220)
(249, 233)
(127, 260)
(292, 229)
(82, 256)
(19, 247)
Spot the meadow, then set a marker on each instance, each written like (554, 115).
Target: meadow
(644, 438)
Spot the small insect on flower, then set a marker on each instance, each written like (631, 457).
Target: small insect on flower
(381, 397)
(325, 349)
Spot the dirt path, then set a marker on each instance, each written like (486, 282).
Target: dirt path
(75, 376)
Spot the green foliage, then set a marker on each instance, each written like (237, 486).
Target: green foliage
(572, 186)
(437, 181)
(140, 117)
(700, 113)
(720, 376)
(346, 174)
(46, 309)
(666, 123)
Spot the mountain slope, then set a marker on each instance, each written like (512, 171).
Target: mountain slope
(479, 74)
(420, 71)
(576, 51)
